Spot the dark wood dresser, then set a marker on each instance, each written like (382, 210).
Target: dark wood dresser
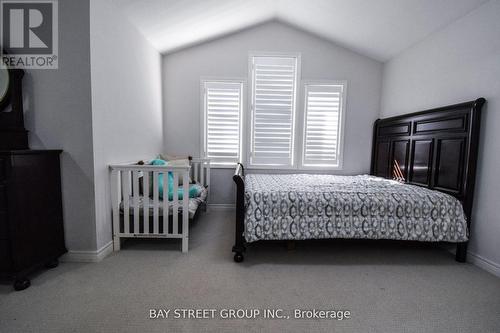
(31, 220)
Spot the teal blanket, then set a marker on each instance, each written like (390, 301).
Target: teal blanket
(194, 191)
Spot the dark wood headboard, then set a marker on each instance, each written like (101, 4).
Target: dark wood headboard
(434, 148)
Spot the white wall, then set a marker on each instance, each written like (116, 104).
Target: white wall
(228, 57)
(126, 101)
(456, 64)
(58, 116)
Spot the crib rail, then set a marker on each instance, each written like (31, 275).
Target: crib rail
(131, 183)
(200, 172)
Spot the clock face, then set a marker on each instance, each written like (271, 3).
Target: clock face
(4, 83)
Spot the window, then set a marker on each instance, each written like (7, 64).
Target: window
(274, 133)
(222, 105)
(323, 116)
(273, 99)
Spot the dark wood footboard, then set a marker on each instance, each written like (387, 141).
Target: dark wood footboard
(239, 244)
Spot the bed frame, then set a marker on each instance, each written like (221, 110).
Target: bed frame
(131, 179)
(436, 149)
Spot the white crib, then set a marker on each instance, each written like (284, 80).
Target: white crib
(127, 183)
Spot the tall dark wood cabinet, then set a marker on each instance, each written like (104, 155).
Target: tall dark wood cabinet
(31, 220)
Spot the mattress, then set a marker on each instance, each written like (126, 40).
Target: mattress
(300, 206)
(193, 205)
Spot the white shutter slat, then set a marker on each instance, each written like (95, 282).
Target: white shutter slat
(223, 104)
(274, 80)
(323, 103)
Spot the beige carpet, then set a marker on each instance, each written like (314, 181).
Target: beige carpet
(387, 287)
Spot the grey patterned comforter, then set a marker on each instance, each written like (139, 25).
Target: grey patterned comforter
(301, 206)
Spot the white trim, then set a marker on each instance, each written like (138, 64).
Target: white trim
(477, 260)
(88, 256)
(222, 206)
(231, 166)
(295, 110)
(223, 166)
(341, 130)
(243, 92)
(484, 263)
(272, 167)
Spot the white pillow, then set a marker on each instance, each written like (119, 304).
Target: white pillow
(167, 157)
(177, 161)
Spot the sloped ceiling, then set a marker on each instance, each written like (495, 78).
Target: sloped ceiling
(379, 29)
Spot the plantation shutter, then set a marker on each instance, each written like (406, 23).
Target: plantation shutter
(323, 116)
(274, 81)
(223, 106)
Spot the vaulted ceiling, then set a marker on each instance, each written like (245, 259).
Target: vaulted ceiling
(377, 28)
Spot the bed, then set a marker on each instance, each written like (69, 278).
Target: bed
(433, 153)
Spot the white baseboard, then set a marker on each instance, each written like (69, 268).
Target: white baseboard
(484, 263)
(221, 206)
(89, 256)
(477, 260)
(96, 256)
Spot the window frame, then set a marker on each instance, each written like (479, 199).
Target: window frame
(295, 111)
(341, 129)
(299, 117)
(203, 116)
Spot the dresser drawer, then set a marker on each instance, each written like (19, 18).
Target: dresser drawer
(4, 225)
(5, 256)
(3, 213)
(3, 168)
(3, 198)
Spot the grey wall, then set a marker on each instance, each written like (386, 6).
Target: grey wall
(58, 115)
(126, 101)
(228, 57)
(113, 116)
(459, 63)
